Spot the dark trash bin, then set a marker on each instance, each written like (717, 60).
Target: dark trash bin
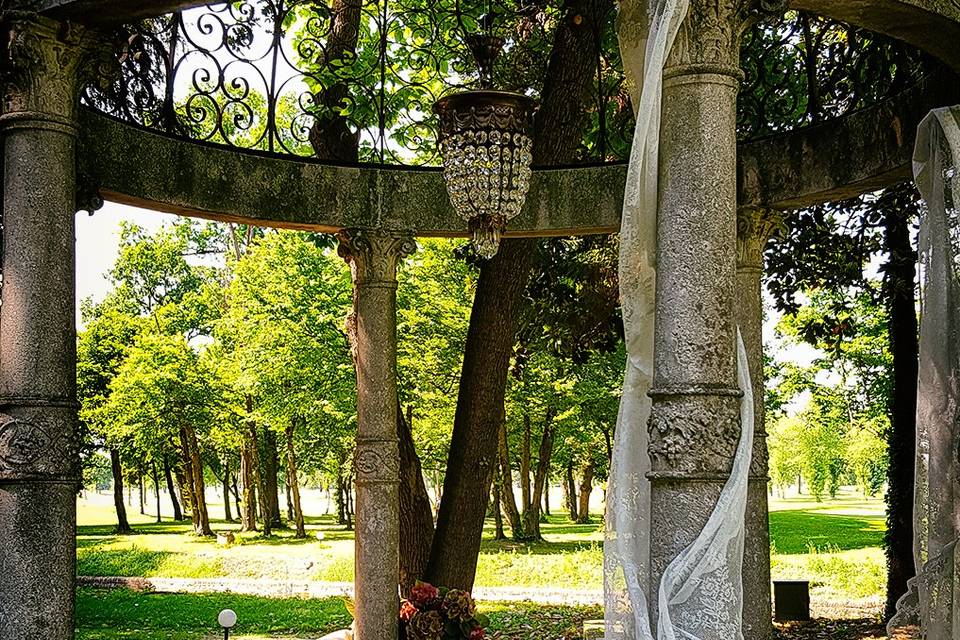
(791, 600)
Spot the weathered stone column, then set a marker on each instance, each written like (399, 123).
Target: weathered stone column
(373, 258)
(695, 421)
(38, 410)
(754, 229)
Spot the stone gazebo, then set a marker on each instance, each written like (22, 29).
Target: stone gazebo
(59, 157)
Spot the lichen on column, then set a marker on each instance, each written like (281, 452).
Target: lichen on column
(695, 417)
(373, 257)
(39, 464)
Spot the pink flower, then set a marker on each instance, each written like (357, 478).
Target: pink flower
(477, 634)
(407, 610)
(423, 595)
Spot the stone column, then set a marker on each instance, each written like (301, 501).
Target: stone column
(754, 229)
(373, 258)
(38, 411)
(695, 421)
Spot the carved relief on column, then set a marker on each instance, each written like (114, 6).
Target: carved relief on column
(755, 227)
(40, 68)
(373, 256)
(693, 431)
(377, 461)
(38, 443)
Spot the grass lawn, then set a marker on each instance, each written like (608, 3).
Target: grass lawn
(127, 615)
(837, 544)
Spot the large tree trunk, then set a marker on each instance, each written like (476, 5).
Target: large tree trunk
(177, 512)
(586, 488)
(293, 483)
(416, 516)
(570, 491)
(490, 338)
(271, 476)
(330, 134)
(507, 498)
(123, 525)
(904, 346)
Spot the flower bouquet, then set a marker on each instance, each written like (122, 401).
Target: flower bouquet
(433, 613)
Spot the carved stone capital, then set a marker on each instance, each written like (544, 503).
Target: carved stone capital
(40, 68)
(373, 256)
(36, 444)
(709, 37)
(755, 227)
(693, 433)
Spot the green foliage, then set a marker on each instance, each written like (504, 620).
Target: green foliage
(840, 432)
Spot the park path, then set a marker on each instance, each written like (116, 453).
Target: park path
(313, 589)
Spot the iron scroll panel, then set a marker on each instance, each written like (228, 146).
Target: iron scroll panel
(352, 82)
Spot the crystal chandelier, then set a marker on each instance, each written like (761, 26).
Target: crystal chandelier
(485, 143)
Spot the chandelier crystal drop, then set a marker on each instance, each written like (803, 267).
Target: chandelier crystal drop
(486, 148)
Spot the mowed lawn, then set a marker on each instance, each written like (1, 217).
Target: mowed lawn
(126, 615)
(837, 544)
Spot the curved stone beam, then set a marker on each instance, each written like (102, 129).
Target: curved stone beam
(144, 169)
(837, 159)
(842, 157)
(930, 25)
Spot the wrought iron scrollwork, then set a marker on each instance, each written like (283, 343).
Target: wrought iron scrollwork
(354, 80)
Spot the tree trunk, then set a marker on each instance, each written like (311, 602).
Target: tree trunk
(271, 477)
(250, 472)
(201, 520)
(123, 525)
(416, 516)
(286, 489)
(507, 498)
(263, 494)
(904, 346)
(525, 465)
(177, 513)
(330, 134)
(236, 493)
(531, 515)
(143, 493)
(570, 492)
(293, 483)
(156, 490)
(497, 512)
(586, 488)
(546, 495)
(227, 515)
(558, 127)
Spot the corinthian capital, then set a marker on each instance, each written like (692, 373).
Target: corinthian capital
(755, 227)
(709, 37)
(373, 255)
(41, 65)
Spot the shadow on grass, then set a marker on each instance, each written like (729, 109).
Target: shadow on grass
(799, 532)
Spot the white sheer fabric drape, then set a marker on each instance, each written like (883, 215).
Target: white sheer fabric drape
(937, 499)
(700, 594)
